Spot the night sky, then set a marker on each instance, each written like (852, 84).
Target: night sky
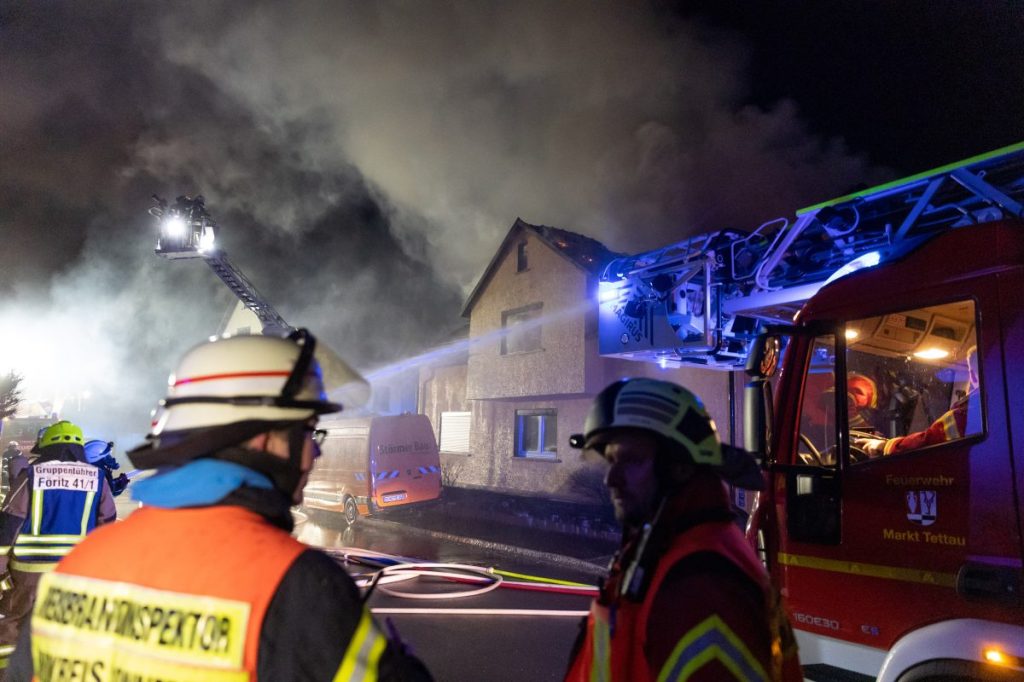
(365, 159)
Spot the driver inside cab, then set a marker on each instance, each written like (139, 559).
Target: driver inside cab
(961, 420)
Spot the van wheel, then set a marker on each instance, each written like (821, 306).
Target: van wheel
(351, 511)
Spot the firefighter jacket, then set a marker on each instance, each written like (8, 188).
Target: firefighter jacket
(952, 425)
(692, 602)
(52, 505)
(212, 594)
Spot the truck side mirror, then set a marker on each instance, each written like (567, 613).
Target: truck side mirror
(757, 396)
(755, 419)
(764, 356)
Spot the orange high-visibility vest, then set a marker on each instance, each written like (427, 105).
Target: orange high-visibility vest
(618, 656)
(166, 594)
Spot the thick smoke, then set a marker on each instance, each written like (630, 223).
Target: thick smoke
(363, 158)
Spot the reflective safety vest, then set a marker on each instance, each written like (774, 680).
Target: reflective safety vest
(175, 595)
(616, 653)
(64, 502)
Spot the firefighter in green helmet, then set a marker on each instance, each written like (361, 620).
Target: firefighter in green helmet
(686, 597)
(53, 504)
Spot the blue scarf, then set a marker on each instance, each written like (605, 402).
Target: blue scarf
(198, 483)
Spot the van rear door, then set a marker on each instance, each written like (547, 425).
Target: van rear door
(404, 461)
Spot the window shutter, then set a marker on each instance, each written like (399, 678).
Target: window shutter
(455, 432)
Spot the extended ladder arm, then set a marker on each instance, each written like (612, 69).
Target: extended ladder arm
(188, 231)
(700, 301)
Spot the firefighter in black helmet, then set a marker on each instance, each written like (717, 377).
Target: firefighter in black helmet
(686, 597)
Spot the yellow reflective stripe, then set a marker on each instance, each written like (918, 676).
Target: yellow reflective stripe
(85, 511)
(600, 667)
(7, 649)
(711, 640)
(94, 659)
(25, 539)
(33, 566)
(41, 551)
(949, 426)
(910, 575)
(37, 511)
(363, 653)
(5, 550)
(139, 629)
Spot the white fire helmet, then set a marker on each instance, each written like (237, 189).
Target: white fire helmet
(255, 378)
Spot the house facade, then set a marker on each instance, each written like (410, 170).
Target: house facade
(504, 416)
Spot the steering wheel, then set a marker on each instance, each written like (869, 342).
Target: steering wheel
(814, 452)
(859, 454)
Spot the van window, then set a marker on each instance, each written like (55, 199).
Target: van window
(536, 433)
(912, 380)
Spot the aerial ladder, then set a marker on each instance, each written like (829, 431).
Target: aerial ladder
(701, 301)
(187, 230)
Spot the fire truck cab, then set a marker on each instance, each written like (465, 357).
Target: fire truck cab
(883, 334)
(894, 512)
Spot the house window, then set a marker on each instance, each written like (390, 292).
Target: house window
(537, 433)
(521, 329)
(521, 261)
(455, 432)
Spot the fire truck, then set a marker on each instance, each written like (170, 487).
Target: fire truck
(883, 336)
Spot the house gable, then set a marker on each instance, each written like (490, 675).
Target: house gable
(586, 254)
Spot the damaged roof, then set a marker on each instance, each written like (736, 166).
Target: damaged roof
(586, 253)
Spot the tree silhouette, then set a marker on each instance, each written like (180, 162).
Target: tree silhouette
(10, 394)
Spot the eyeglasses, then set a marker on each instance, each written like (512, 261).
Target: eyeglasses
(318, 435)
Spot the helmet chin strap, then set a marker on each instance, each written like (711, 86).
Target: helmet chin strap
(296, 444)
(285, 474)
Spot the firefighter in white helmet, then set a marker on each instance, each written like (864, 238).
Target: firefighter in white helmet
(686, 597)
(217, 588)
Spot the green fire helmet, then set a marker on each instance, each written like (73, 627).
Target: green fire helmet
(62, 432)
(667, 409)
(677, 415)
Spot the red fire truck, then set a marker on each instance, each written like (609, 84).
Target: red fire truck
(889, 408)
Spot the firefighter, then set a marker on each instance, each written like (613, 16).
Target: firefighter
(98, 453)
(960, 421)
(215, 587)
(53, 503)
(861, 400)
(13, 464)
(686, 597)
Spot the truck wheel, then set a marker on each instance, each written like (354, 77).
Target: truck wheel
(351, 511)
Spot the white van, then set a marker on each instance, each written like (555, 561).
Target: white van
(370, 464)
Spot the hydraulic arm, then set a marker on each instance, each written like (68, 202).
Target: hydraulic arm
(701, 301)
(188, 231)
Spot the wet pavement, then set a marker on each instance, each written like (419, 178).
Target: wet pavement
(579, 537)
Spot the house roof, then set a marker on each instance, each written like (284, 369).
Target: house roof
(584, 252)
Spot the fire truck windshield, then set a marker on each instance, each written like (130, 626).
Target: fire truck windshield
(910, 383)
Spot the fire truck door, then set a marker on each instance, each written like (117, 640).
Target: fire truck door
(924, 490)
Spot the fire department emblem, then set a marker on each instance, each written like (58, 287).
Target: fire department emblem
(921, 506)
